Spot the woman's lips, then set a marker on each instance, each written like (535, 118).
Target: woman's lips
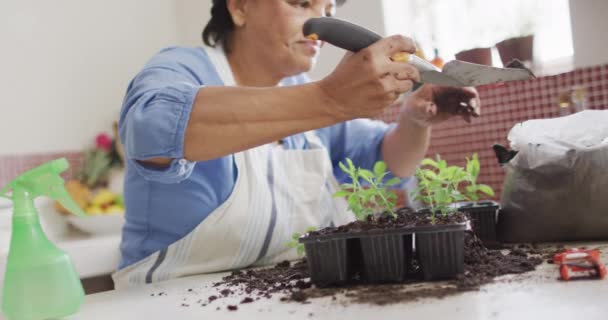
(312, 45)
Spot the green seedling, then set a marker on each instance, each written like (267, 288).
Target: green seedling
(365, 200)
(473, 189)
(440, 185)
(295, 243)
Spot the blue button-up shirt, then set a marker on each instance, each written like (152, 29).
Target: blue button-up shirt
(164, 205)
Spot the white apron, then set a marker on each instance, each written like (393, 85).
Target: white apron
(277, 192)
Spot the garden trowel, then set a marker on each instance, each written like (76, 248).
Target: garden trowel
(455, 73)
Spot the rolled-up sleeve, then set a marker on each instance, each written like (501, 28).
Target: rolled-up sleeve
(154, 117)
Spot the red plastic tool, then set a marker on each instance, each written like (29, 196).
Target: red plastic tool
(580, 260)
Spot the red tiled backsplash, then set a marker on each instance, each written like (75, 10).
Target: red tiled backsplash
(505, 105)
(502, 107)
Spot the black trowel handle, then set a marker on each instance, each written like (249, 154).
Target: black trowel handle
(346, 35)
(340, 33)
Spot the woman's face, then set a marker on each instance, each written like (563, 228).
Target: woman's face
(274, 27)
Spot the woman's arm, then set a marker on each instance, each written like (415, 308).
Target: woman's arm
(404, 147)
(225, 120)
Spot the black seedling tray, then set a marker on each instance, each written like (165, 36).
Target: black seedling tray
(385, 255)
(440, 251)
(484, 216)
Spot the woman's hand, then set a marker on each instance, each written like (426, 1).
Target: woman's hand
(406, 145)
(367, 82)
(433, 104)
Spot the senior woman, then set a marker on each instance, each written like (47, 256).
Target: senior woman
(231, 148)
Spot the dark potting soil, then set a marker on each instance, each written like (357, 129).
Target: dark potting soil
(292, 282)
(404, 217)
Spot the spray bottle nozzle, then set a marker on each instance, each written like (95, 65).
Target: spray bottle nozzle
(45, 180)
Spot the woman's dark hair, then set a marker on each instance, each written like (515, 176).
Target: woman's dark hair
(220, 27)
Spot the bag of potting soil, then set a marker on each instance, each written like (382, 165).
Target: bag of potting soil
(556, 186)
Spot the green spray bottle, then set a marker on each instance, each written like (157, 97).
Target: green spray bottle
(40, 281)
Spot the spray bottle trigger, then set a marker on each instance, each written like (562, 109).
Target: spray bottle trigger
(66, 201)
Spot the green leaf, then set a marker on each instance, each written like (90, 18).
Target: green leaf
(367, 195)
(473, 167)
(391, 196)
(458, 197)
(430, 174)
(435, 184)
(426, 199)
(301, 250)
(393, 181)
(341, 194)
(351, 166)
(442, 164)
(442, 196)
(469, 166)
(379, 168)
(366, 174)
(347, 186)
(310, 229)
(461, 176)
(296, 236)
(486, 189)
(343, 167)
(429, 162)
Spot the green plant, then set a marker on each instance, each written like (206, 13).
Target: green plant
(472, 190)
(96, 166)
(373, 198)
(99, 160)
(440, 185)
(294, 243)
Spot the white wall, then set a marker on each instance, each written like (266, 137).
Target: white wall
(65, 65)
(192, 18)
(589, 32)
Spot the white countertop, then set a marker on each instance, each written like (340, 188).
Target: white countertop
(535, 295)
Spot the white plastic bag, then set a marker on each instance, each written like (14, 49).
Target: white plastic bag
(556, 187)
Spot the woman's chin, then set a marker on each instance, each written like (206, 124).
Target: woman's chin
(304, 63)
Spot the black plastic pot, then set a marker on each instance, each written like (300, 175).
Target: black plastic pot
(327, 259)
(386, 255)
(484, 215)
(379, 256)
(440, 251)
(376, 256)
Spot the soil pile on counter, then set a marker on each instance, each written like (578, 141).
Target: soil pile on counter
(482, 265)
(293, 284)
